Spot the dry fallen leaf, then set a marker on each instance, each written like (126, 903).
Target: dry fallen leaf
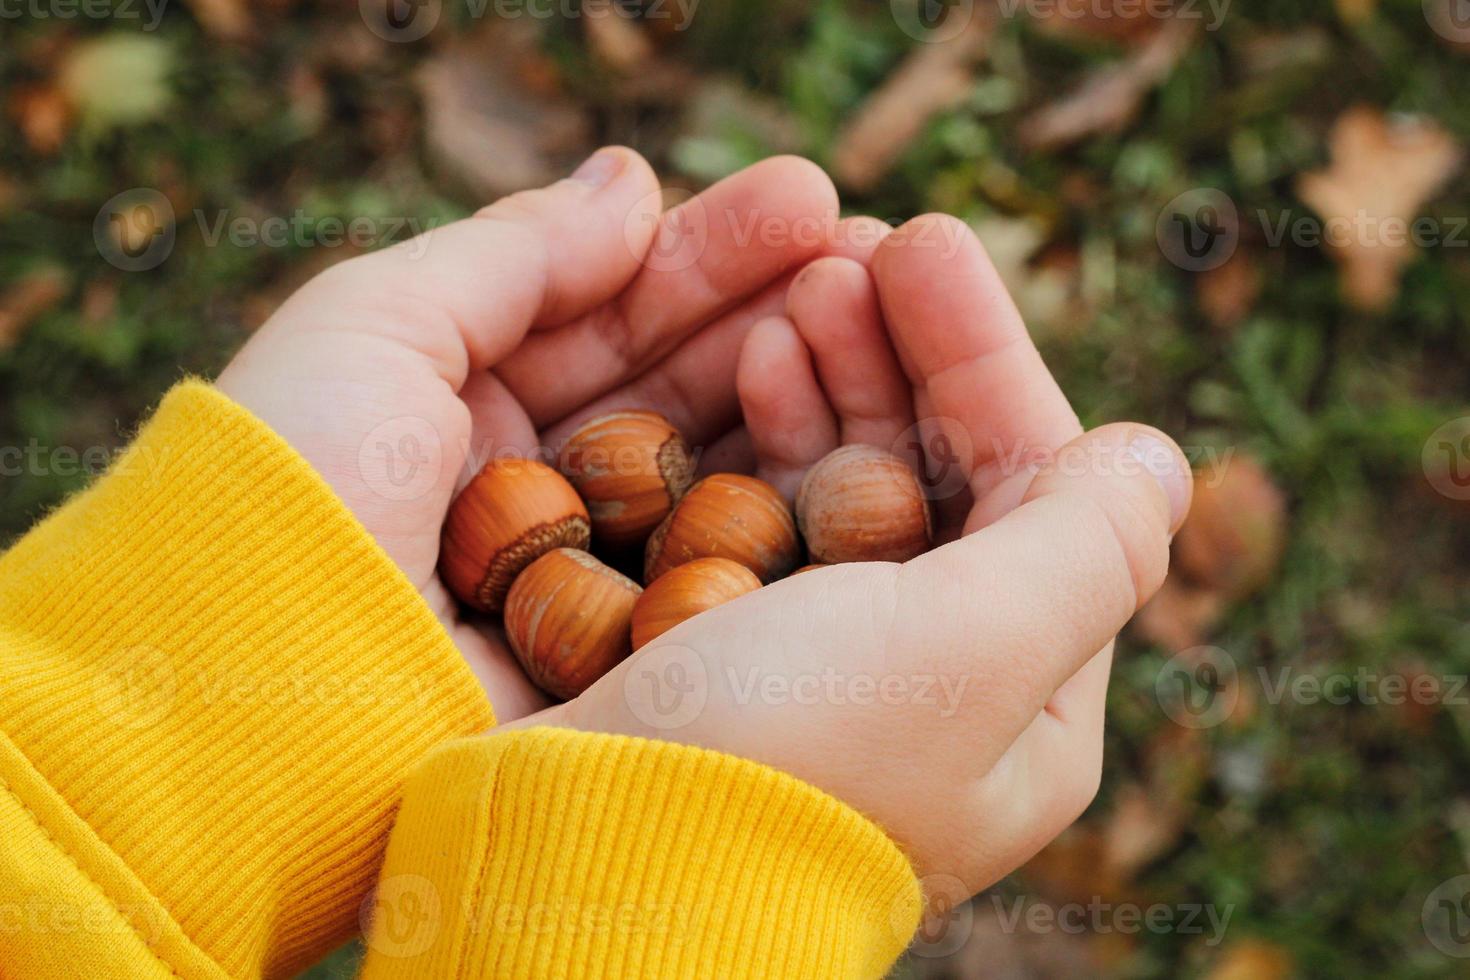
(1110, 98)
(1253, 959)
(227, 20)
(616, 39)
(1227, 293)
(935, 77)
(1117, 20)
(118, 79)
(493, 115)
(1179, 616)
(1382, 173)
(1140, 828)
(27, 298)
(44, 116)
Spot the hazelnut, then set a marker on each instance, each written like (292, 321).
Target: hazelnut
(512, 513)
(726, 516)
(687, 591)
(568, 620)
(631, 468)
(859, 503)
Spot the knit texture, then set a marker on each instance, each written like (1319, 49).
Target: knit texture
(555, 853)
(212, 685)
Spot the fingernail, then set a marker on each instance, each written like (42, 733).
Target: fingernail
(600, 168)
(1165, 465)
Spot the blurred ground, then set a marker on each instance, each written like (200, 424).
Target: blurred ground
(1149, 181)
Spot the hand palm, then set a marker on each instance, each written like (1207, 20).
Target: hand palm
(399, 373)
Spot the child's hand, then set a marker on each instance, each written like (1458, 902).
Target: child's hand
(957, 699)
(391, 372)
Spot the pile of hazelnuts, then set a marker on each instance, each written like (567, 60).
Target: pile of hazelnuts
(542, 546)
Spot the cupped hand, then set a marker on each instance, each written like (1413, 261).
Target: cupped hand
(399, 373)
(957, 699)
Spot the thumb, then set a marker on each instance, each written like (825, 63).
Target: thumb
(1051, 583)
(533, 259)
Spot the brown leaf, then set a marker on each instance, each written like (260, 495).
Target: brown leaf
(1073, 868)
(1179, 616)
(493, 115)
(227, 20)
(1252, 959)
(1141, 828)
(1232, 540)
(43, 115)
(1227, 293)
(935, 77)
(1382, 173)
(617, 40)
(33, 294)
(1116, 20)
(1109, 98)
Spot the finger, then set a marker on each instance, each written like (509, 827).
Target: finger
(693, 387)
(834, 306)
(857, 238)
(962, 341)
(732, 452)
(499, 427)
(790, 423)
(1051, 583)
(467, 293)
(707, 255)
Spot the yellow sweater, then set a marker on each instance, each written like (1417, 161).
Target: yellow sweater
(232, 736)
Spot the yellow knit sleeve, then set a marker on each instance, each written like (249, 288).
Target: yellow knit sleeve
(212, 685)
(545, 853)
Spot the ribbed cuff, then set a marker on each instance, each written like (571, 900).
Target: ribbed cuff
(555, 853)
(226, 679)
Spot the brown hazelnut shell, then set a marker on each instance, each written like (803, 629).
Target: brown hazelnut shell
(860, 503)
(513, 512)
(630, 468)
(686, 591)
(727, 515)
(568, 618)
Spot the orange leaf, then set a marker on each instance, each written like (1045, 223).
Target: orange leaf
(1382, 173)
